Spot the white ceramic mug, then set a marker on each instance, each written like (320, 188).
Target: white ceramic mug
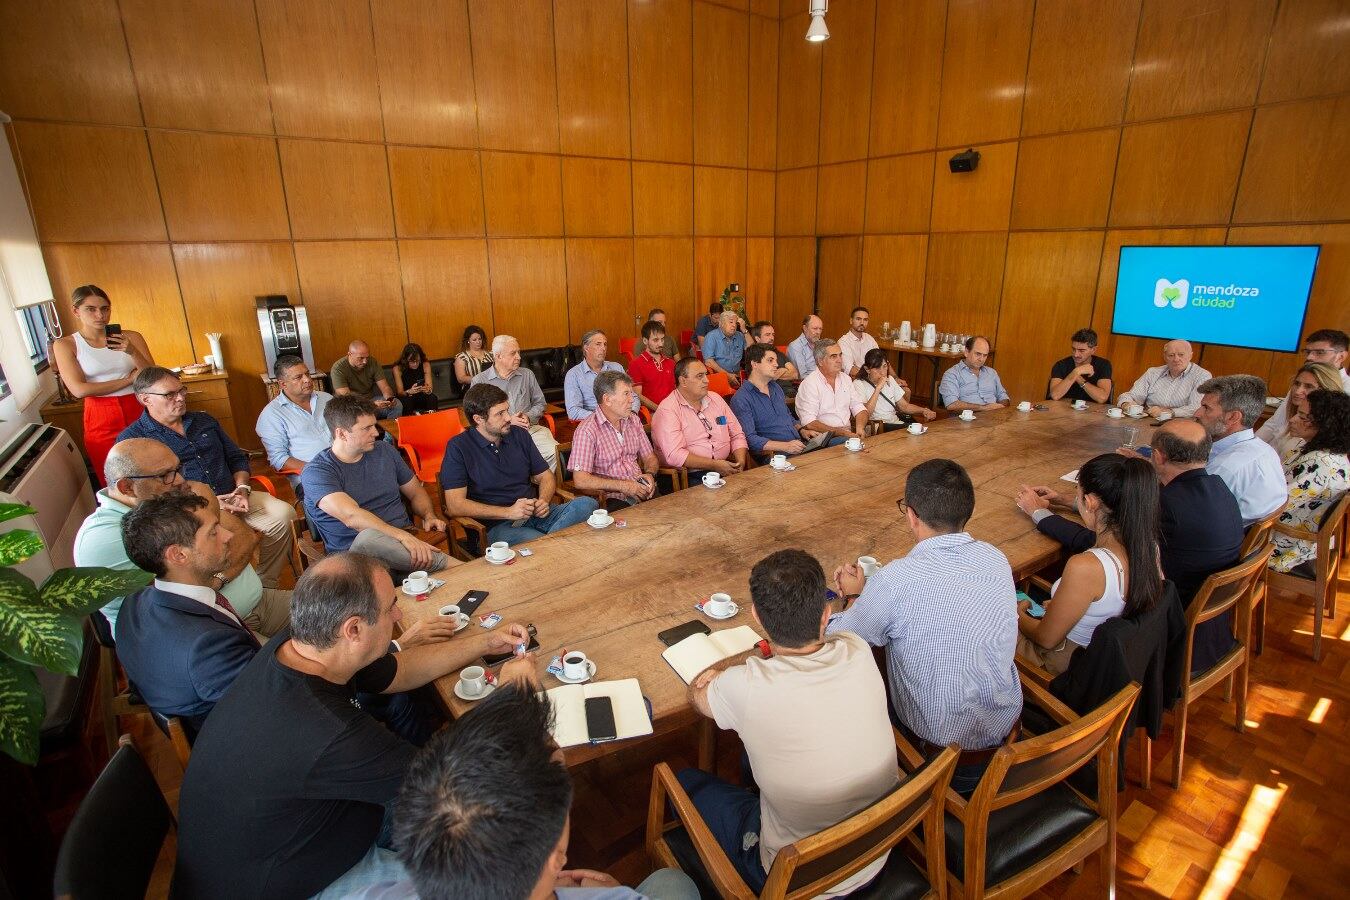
(1164, 416)
(779, 461)
(967, 415)
(718, 604)
(916, 428)
(574, 666)
(450, 611)
(712, 479)
(1024, 406)
(472, 680)
(499, 550)
(1115, 412)
(599, 517)
(417, 583)
(1080, 404)
(853, 443)
(868, 564)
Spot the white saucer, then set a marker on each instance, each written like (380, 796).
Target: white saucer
(1136, 415)
(971, 419)
(463, 623)
(590, 664)
(713, 487)
(500, 562)
(609, 520)
(925, 431)
(734, 609)
(487, 689)
(408, 593)
(851, 450)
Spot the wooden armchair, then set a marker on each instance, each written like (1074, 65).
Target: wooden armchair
(1259, 535)
(1330, 540)
(809, 866)
(562, 493)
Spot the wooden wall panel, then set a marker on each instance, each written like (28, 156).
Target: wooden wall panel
(426, 72)
(320, 59)
(1307, 54)
(718, 261)
(436, 193)
(337, 190)
(963, 281)
(352, 292)
(1080, 64)
(1181, 172)
(445, 290)
(514, 74)
(794, 281)
(663, 276)
(840, 198)
(984, 70)
(763, 100)
(1195, 56)
(66, 61)
(660, 42)
(798, 95)
(522, 193)
(721, 86)
(600, 289)
(198, 64)
(893, 277)
(140, 281)
(759, 207)
(218, 187)
(591, 40)
(907, 75)
(758, 286)
(840, 278)
(796, 202)
(979, 200)
(846, 72)
(219, 283)
(719, 201)
(529, 290)
(663, 198)
(899, 193)
(1049, 285)
(1064, 181)
(1293, 147)
(597, 196)
(88, 183)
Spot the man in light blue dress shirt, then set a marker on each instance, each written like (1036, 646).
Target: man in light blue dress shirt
(291, 426)
(724, 348)
(970, 384)
(1229, 407)
(579, 383)
(802, 352)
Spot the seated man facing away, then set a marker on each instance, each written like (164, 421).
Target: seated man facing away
(970, 384)
(724, 348)
(610, 451)
(492, 472)
(802, 351)
(947, 615)
(652, 371)
(813, 721)
(1229, 407)
(291, 425)
(1169, 389)
(291, 777)
(356, 489)
(762, 410)
(579, 383)
(1082, 375)
(522, 388)
(695, 428)
(485, 812)
(359, 375)
(825, 401)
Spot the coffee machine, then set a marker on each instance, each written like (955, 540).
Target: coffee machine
(284, 329)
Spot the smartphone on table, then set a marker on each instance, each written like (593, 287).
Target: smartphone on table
(600, 719)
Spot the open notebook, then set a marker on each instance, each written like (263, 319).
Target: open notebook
(696, 652)
(569, 710)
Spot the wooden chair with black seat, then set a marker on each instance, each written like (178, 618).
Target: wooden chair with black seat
(809, 866)
(1024, 825)
(1259, 535)
(476, 531)
(1318, 578)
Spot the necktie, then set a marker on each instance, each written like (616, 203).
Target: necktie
(225, 605)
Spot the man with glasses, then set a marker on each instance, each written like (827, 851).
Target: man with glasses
(1330, 347)
(210, 456)
(696, 429)
(291, 426)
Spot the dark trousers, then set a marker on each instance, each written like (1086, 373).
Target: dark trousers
(411, 715)
(732, 815)
(416, 404)
(965, 779)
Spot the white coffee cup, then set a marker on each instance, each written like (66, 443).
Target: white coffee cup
(574, 666)
(916, 428)
(472, 680)
(1164, 416)
(712, 479)
(499, 550)
(1115, 412)
(946, 348)
(779, 461)
(450, 611)
(853, 443)
(868, 564)
(417, 583)
(1024, 406)
(718, 604)
(1080, 404)
(967, 415)
(599, 517)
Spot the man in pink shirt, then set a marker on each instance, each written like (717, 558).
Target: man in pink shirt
(610, 451)
(696, 429)
(825, 400)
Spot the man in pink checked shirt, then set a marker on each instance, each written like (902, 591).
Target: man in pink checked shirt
(697, 429)
(610, 451)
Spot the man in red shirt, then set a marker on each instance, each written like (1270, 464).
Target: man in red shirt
(652, 372)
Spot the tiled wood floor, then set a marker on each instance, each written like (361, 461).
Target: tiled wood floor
(1259, 814)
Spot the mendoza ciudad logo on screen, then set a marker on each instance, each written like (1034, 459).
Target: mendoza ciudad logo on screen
(1177, 294)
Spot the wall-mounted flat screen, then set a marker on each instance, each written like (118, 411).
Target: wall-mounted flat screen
(1252, 297)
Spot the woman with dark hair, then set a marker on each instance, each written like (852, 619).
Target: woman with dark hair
(1309, 377)
(473, 356)
(98, 365)
(877, 388)
(412, 381)
(1317, 476)
(1120, 576)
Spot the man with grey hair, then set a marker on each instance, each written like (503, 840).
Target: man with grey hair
(610, 451)
(291, 425)
(1170, 389)
(724, 348)
(1229, 407)
(579, 383)
(826, 402)
(523, 391)
(290, 777)
(356, 373)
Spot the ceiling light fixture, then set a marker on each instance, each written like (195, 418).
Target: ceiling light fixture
(817, 32)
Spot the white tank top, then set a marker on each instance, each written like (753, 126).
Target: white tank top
(102, 364)
(1109, 605)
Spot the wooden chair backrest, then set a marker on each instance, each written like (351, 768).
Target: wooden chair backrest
(1259, 533)
(1223, 590)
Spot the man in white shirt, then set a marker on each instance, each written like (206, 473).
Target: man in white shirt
(856, 341)
(1171, 388)
(802, 351)
(1327, 346)
(826, 402)
(813, 719)
(1229, 407)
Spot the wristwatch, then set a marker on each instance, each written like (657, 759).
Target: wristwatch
(246, 488)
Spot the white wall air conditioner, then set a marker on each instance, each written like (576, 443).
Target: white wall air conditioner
(41, 467)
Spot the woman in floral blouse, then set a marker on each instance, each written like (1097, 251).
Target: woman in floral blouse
(1317, 474)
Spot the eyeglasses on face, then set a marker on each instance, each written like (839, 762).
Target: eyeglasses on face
(180, 394)
(902, 505)
(167, 477)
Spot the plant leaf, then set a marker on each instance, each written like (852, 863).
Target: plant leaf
(21, 710)
(18, 545)
(14, 510)
(33, 631)
(85, 589)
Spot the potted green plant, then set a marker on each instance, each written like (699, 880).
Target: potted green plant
(42, 626)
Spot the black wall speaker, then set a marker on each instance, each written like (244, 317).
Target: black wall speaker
(964, 162)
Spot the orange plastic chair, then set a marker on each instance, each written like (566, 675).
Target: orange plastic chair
(719, 384)
(424, 438)
(627, 345)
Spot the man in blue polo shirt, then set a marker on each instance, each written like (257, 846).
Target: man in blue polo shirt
(761, 408)
(724, 348)
(493, 473)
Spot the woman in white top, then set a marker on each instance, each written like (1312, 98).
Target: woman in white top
(1120, 576)
(1310, 377)
(883, 395)
(99, 368)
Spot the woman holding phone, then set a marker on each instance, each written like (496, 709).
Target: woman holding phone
(98, 363)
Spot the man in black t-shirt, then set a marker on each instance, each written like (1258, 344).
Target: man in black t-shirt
(1081, 376)
(289, 779)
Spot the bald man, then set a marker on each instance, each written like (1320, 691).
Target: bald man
(356, 373)
(1169, 390)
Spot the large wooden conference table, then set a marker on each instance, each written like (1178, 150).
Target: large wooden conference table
(608, 592)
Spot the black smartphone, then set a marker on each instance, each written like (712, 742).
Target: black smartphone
(672, 636)
(600, 719)
(471, 601)
(494, 659)
(111, 329)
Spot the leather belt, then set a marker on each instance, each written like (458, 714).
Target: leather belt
(969, 757)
